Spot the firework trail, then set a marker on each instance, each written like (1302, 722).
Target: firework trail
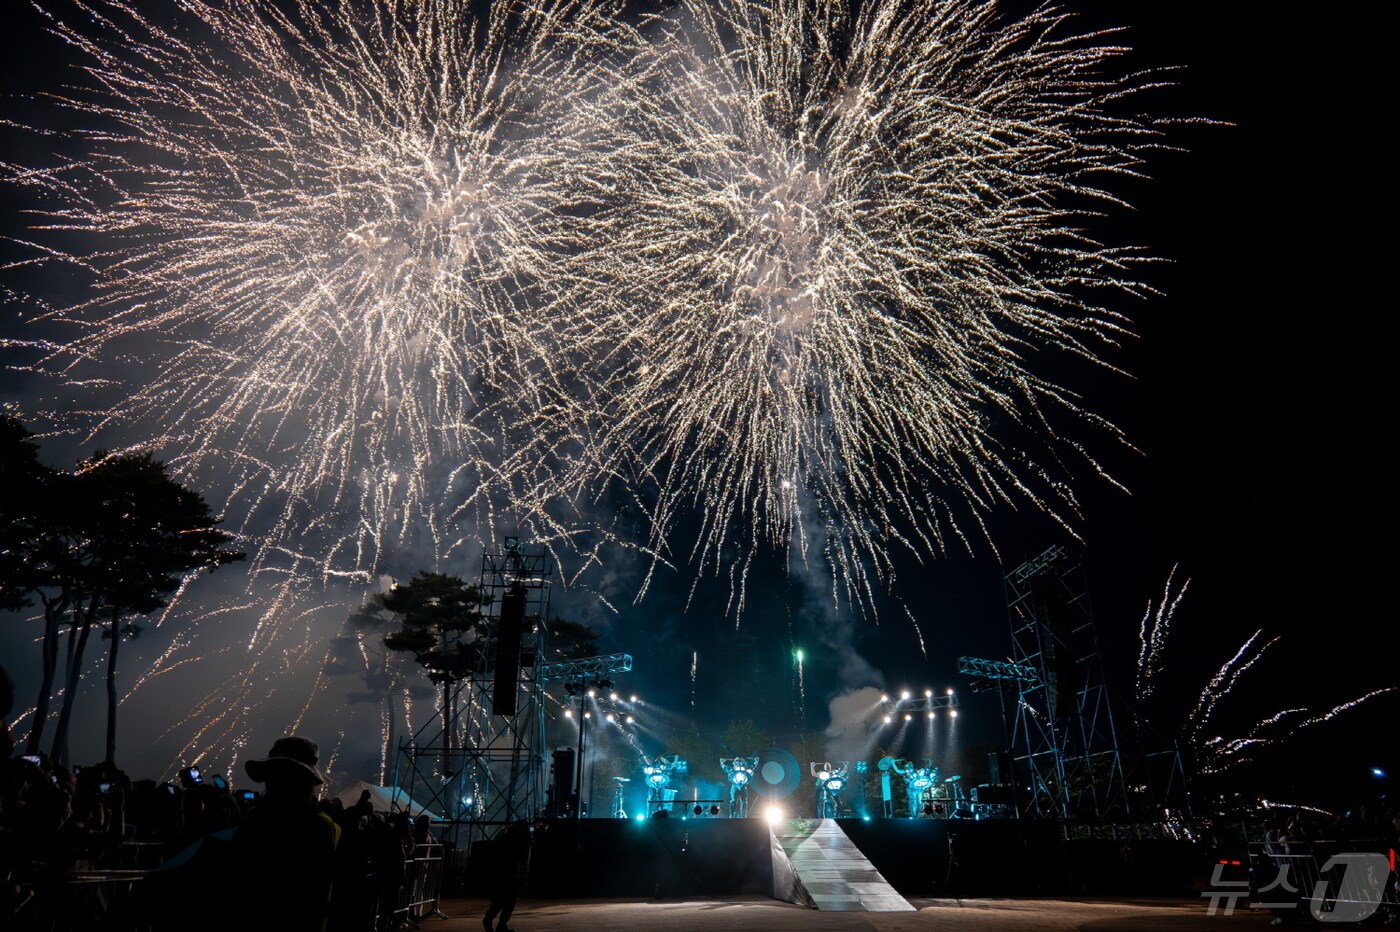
(844, 233)
(1216, 754)
(1153, 633)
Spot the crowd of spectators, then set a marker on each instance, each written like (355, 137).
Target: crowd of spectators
(62, 826)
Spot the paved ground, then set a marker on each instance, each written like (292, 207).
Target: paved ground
(738, 913)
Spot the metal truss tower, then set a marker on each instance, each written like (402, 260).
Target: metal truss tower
(1064, 738)
(486, 767)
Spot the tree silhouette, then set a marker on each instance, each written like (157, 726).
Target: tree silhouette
(111, 540)
(439, 621)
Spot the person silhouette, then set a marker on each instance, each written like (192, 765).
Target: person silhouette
(510, 854)
(283, 852)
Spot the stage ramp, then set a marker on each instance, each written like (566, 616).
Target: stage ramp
(815, 864)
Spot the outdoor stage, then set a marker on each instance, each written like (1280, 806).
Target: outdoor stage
(917, 857)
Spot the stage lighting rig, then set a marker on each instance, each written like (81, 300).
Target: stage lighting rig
(907, 705)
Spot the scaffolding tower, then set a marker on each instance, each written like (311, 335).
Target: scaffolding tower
(1064, 741)
(481, 763)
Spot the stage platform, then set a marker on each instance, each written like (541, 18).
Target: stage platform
(701, 857)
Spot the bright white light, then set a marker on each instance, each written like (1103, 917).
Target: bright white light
(592, 693)
(633, 699)
(888, 719)
(568, 713)
(774, 814)
(588, 715)
(611, 718)
(631, 719)
(614, 697)
(930, 715)
(908, 717)
(904, 695)
(928, 694)
(823, 775)
(884, 697)
(952, 713)
(950, 692)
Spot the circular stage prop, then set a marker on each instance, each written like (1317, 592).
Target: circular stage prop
(777, 775)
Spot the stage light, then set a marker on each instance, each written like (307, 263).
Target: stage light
(928, 694)
(950, 692)
(633, 699)
(904, 695)
(641, 818)
(614, 697)
(588, 715)
(1377, 772)
(611, 717)
(773, 814)
(930, 714)
(631, 719)
(884, 697)
(799, 655)
(952, 713)
(568, 713)
(908, 717)
(865, 818)
(592, 693)
(888, 719)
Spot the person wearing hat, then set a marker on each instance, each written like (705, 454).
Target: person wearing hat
(284, 848)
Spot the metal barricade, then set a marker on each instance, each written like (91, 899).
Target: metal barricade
(420, 893)
(1331, 881)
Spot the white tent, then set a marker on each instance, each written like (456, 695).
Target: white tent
(384, 799)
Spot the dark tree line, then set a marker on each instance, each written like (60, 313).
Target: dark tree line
(95, 548)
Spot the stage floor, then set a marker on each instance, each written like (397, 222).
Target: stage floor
(734, 914)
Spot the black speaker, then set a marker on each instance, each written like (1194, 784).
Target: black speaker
(999, 767)
(561, 782)
(507, 675)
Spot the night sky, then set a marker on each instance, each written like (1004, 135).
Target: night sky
(1251, 398)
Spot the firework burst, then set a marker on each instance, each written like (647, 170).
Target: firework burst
(333, 243)
(845, 232)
